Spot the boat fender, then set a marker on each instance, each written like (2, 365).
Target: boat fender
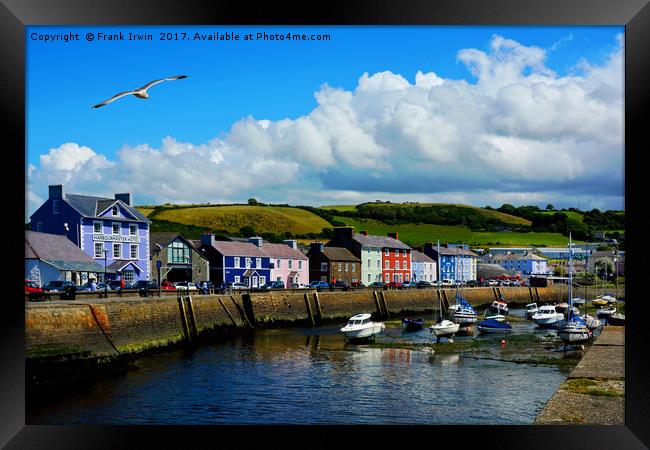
(503, 342)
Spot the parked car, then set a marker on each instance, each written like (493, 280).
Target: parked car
(210, 284)
(492, 282)
(167, 286)
(297, 286)
(32, 288)
(186, 286)
(448, 282)
(411, 284)
(273, 285)
(423, 284)
(378, 284)
(318, 284)
(341, 284)
(57, 286)
(472, 283)
(237, 286)
(358, 284)
(145, 284)
(395, 285)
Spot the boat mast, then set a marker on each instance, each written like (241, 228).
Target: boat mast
(570, 277)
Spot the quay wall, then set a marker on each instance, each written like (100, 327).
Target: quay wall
(96, 328)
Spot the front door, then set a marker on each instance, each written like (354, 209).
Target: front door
(254, 281)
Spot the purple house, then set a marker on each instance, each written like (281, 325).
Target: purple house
(109, 230)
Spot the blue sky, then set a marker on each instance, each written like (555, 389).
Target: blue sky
(278, 81)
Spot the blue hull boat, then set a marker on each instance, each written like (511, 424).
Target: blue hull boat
(493, 326)
(412, 324)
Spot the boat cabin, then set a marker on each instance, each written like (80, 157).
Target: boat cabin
(531, 306)
(359, 319)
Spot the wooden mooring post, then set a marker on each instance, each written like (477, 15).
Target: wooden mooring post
(186, 328)
(383, 300)
(308, 306)
(232, 319)
(319, 310)
(380, 310)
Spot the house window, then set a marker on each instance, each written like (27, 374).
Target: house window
(339, 265)
(387, 265)
(323, 267)
(262, 280)
(404, 252)
(258, 262)
(405, 265)
(55, 206)
(116, 228)
(39, 226)
(299, 265)
(354, 267)
(378, 264)
(236, 260)
(237, 278)
(178, 253)
(99, 249)
(117, 253)
(396, 252)
(114, 210)
(387, 252)
(248, 263)
(396, 264)
(279, 264)
(134, 251)
(290, 264)
(368, 278)
(133, 229)
(387, 278)
(347, 266)
(128, 276)
(369, 264)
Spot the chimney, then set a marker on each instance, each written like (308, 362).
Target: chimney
(343, 236)
(56, 191)
(394, 235)
(207, 239)
(126, 198)
(364, 232)
(255, 240)
(316, 247)
(291, 243)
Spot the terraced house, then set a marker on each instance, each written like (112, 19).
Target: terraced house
(237, 262)
(424, 268)
(109, 230)
(288, 264)
(332, 264)
(455, 262)
(519, 263)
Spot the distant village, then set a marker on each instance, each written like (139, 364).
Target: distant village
(78, 239)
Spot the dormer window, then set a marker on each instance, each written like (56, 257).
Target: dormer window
(114, 210)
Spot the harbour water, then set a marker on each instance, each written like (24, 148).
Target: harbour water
(311, 376)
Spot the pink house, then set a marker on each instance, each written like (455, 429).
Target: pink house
(288, 264)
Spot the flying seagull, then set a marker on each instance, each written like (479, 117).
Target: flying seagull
(140, 92)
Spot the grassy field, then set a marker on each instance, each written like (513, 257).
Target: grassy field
(268, 219)
(507, 218)
(145, 211)
(418, 234)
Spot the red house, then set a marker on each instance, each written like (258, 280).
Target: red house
(395, 259)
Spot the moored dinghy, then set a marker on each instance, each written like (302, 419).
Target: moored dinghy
(412, 324)
(493, 326)
(444, 328)
(616, 319)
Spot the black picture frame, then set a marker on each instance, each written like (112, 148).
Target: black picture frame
(633, 14)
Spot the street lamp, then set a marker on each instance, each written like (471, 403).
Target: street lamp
(105, 281)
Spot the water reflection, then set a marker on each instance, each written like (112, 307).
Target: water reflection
(309, 375)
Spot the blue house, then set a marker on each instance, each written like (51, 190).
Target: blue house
(109, 230)
(424, 268)
(237, 262)
(455, 262)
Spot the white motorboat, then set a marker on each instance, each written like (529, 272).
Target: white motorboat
(462, 313)
(606, 311)
(361, 326)
(444, 328)
(573, 330)
(531, 309)
(547, 317)
(498, 310)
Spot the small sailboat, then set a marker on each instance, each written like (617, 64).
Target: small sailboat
(443, 327)
(573, 330)
(360, 326)
(462, 313)
(616, 319)
(494, 326)
(412, 324)
(591, 322)
(605, 311)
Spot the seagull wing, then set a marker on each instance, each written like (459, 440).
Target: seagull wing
(151, 83)
(113, 98)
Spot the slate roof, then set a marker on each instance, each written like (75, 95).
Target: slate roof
(379, 241)
(417, 256)
(339, 254)
(490, 270)
(119, 264)
(59, 251)
(282, 251)
(89, 206)
(238, 249)
(455, 251)
(515, 257)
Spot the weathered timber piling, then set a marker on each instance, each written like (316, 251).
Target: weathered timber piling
(242, 311)
(308, 306)
(383, 301)
(232, 319)
(380, 310)
(192, 318)
(186, 328)
(319, 310)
